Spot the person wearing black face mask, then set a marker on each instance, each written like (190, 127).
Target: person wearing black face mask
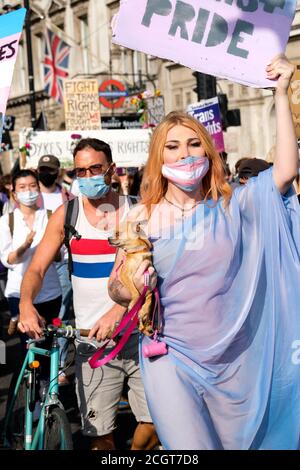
(48, 168)
(47, 178)
(53, 196)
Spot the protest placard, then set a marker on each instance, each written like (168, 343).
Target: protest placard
(208, 113)
(129, 146)
(155, 110)
(81, 101)
(231, 39)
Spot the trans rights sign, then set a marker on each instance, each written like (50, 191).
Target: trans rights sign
(233, 39)
(208, 113)
(11, 26)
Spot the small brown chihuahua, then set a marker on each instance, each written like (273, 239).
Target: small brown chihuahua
(130, 237)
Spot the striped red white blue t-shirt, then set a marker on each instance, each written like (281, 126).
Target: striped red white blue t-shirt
(93, 260)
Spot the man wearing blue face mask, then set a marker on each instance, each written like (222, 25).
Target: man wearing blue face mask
(100, 209)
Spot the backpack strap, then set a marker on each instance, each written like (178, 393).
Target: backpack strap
(11, 222)
(71, 215)
(66, 195)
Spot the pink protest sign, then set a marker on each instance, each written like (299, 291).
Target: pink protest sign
(231, 39)
(208, 113)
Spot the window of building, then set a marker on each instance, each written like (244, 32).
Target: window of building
(151, 64)
(178, 101)
(20, 85)
(127, 61)
(188, 98)
(244, 90)
(124, 59)
(84, 41)
(231, 91)
(137, 61)
(39, 53)
(138, 68)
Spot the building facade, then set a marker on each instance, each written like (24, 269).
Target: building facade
(85, 26)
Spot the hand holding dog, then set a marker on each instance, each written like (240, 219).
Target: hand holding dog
(127, 278)
(138, 278)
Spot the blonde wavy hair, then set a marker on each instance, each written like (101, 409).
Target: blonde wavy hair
(154, 185)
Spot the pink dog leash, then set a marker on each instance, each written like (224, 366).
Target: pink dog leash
(130, 318)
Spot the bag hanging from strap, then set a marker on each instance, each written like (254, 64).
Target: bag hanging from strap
(131, 319)
(156, 347)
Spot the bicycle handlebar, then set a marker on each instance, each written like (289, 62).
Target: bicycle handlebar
(84, 333)
(65, 332)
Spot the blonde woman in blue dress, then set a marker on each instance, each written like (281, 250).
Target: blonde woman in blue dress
(228, 272)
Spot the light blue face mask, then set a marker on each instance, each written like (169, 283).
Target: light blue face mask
(93, 187)
(27, 198)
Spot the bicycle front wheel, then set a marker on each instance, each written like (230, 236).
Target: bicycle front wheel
(58, 435)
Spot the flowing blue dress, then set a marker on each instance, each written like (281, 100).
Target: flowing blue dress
(231, 310)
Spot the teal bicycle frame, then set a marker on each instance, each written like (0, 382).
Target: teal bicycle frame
(36, 441)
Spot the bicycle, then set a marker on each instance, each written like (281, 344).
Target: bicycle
(53, 430)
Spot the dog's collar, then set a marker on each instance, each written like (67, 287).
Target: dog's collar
(144, 250)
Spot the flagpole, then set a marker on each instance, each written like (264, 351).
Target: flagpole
(30, 64)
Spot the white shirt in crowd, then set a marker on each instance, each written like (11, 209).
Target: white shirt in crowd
(51, 287)
(52, 200)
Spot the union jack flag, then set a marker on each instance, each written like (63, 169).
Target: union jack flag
(56, 64)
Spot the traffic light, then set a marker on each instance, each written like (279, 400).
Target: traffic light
(205, 85)
(230, 117)
(200, 85)
(223, 104)
(211, 86)
(233, 117)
